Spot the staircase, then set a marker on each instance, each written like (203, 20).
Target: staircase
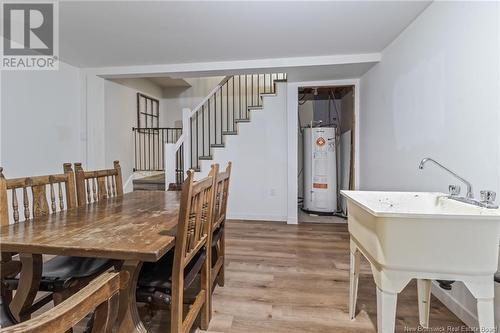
(218, 116)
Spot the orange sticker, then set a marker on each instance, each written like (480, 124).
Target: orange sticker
(320, 141)
(320, 185)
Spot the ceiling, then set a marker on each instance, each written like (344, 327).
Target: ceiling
(116, 33)
(168, 82)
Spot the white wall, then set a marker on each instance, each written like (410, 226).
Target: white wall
(41, 121)
(175, 99)
(436, 93)
(120, 115)
(258, 189)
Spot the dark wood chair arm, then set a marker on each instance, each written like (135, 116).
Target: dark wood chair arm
(100, 294)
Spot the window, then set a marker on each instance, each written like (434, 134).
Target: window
(147, 111)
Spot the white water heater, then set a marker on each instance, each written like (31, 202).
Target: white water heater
(320, 170)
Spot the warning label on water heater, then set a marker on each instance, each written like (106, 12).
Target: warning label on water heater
(320, 141)
(320, 185)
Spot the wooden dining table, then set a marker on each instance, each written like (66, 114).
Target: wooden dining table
(132, 229)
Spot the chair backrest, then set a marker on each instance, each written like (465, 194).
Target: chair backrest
(100, 294)
(92, 186)
(192, 240)
(221, 195)
(57, 189)
(195, 214)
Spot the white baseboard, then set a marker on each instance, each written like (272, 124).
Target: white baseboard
(469, 318)
(257, 217)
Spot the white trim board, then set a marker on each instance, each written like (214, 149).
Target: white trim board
(228, 67)
(292, 138)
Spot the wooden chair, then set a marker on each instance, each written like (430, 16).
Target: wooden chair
(92, 186)
(100, 294)
(60, 276)
(168, 282)
(218, 227)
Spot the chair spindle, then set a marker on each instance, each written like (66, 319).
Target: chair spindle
(26, 203)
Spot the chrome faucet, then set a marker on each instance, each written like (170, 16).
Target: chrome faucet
(487, 197)
(469, 195)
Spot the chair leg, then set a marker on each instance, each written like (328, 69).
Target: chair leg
(386, 311)
(177, 306)
(222, 254)
(424, 301)
(207, 286)
(353, 280)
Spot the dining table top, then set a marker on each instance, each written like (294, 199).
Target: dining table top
(139, 225)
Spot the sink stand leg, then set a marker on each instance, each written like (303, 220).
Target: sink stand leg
(483, 289)
(424, 301)
(386, 311)
(353, 280)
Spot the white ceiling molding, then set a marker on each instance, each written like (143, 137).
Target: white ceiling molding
(184, 70)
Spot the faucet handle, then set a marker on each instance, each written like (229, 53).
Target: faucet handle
(454, 189)
(488, 196)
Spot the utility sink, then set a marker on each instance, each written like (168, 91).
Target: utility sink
(427, 236)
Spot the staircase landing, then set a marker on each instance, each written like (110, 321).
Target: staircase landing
(151, 183)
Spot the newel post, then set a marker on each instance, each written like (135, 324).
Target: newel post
(186, 133)
(170, 164)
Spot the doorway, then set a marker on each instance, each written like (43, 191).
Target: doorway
(325, 151)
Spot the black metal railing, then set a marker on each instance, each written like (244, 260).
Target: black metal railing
(149, 146)
(224, 109)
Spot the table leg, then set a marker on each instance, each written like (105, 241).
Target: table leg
(29, 282)
(128, 317)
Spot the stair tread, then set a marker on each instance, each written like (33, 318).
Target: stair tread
(208, 157)
(243, 120)
(217, 145)
(229, 132)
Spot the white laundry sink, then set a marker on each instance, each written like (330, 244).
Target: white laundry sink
(427, 236)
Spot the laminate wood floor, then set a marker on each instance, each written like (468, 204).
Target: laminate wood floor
(295, 278)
